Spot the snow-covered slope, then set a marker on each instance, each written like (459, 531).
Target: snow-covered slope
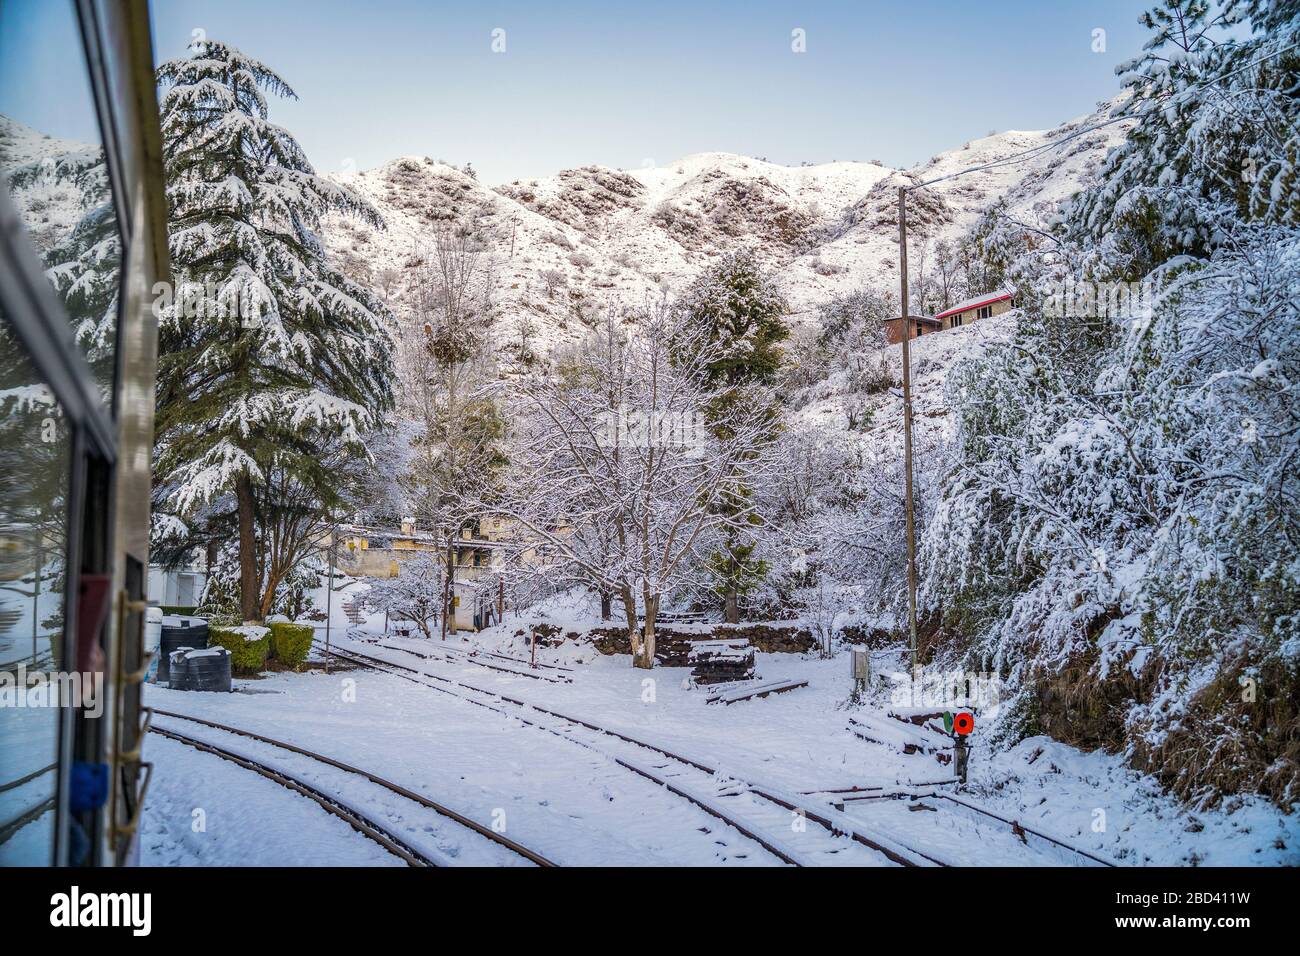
(565, 244)
(49, 200)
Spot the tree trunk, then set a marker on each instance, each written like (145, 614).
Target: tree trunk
(730, 601)
(451, 587)
(248, 591)
(633, 629)
(267, 599)
(606, 606)
(646, 659)
(446, 605)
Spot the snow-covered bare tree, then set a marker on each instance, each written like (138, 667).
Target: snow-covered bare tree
(448, 366)
(823, 603)
(415, 595)
(619, 436)
(268, 354)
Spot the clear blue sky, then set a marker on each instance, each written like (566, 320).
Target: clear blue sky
(623, 84)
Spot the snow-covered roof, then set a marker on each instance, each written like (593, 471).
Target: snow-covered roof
(987, 299)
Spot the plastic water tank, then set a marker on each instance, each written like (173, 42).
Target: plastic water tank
(153, 618)
(179, 631)
(202, 669)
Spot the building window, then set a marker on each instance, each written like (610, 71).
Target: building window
(984, 312)
(956, 320)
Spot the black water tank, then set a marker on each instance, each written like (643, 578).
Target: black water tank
(206, 669)
(179, 632)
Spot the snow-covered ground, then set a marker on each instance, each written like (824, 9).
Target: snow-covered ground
(577, 806)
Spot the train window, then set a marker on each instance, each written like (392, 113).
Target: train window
(35, 457)
(53, 161)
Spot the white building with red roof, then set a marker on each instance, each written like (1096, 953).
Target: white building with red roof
(980, 307)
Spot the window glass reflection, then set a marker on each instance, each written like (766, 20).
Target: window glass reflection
(34, 470)
(52, 163)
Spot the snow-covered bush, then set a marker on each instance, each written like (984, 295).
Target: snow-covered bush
(249, 646)
(290, 643)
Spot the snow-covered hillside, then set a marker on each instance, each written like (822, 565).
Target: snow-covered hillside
(47, 181)
(566, 244)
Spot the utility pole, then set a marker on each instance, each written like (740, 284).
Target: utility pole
(329, 593)
(39, 550)
(907, 425)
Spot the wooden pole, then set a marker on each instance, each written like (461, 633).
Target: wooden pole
(501, 600)
(329, 594)
(907, 424)
(446, 607)
(39, 551)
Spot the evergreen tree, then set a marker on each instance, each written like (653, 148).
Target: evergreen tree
(86, 272)
(738, 312)
(84, 266)
(1216, 133)
(268, 354)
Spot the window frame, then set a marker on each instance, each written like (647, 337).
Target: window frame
(45, 336)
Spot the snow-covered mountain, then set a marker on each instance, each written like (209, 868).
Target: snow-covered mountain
(564, 245)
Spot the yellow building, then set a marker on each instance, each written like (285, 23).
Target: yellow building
(369, 552)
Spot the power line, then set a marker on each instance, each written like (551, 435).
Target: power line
(1047, 147)
(1023, 155)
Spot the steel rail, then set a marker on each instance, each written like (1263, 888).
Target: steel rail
(396, 788)
(854, 833)
(332, 804)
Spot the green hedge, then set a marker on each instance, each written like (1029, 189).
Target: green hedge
(246, 657)
(291, 642)
(177, 609)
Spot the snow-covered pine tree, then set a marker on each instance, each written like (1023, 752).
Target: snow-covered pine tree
(1215, 135)
(738, 311)
(86, 271)
(268, 354)
(84, 265)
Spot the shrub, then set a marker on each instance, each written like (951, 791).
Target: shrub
(247, 650)
(291, 642)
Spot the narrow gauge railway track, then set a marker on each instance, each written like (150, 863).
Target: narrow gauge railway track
(334, 804)
(31, 814)
(473, 659)
(961, 804)
(479, 652)
(835, 823)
